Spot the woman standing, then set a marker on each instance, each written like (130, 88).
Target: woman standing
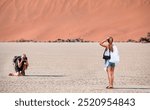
(111, 57)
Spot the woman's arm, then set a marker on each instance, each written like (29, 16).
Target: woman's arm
(102, 43)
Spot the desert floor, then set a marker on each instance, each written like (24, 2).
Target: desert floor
(74, 68)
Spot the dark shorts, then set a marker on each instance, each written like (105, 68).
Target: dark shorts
(110, 64)
(17, 69)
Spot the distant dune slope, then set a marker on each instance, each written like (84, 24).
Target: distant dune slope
(87, 19)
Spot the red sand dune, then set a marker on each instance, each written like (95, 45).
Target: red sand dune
(87, 19)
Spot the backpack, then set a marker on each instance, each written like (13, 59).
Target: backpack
(15, 59)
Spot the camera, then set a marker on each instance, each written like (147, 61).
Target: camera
(24, 59)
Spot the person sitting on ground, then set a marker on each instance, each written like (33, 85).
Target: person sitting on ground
(20, 64)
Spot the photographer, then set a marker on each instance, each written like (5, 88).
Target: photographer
(20, 64)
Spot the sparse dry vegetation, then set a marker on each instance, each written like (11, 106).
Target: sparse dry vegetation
(57, 40)
(145, 39)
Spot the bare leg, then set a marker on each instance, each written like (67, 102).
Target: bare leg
(109, 75)
(110, 72)
(14, 74)
(23, 71)
(112, 76)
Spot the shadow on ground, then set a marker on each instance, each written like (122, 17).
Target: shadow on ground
(45, 75)
(131, 88)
